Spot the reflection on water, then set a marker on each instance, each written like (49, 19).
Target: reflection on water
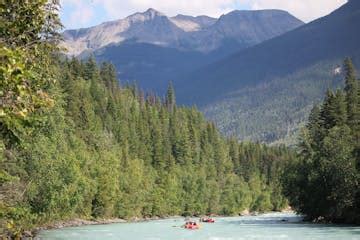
(271, 226)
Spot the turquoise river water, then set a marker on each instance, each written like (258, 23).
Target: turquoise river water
(265, 227)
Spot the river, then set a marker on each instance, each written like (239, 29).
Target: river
(263, 227)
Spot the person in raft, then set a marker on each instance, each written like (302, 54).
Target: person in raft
(207, 220)
(191, 225)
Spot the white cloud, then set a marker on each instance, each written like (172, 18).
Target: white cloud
(85, 10)
(123, 8)
(83, 16)
(82, 12)
(306, 10)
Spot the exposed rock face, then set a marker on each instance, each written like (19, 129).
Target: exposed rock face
(192, 24)
(150, 26)
(245, 27)
(200, 33)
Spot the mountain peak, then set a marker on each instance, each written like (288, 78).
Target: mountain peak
(267, 12)
(153, 12)
(149, 14)
(259, 17)
(182, 16)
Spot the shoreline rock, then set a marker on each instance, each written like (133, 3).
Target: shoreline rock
(77, 222)
(81, 222)
(245, 212)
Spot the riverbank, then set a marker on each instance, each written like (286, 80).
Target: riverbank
(267, 226)
(83, 222)
(77, 222)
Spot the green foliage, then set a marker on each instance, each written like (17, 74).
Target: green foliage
(29, 24)
(28, 37)
(22, 91)
(170, 98)
(325, 181)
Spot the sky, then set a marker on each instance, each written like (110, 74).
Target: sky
(86, 13)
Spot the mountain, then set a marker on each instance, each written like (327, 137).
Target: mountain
(201, 33)
(192, 24)
(152, 49)
(265, 92)
(150, 26)
(247, 28)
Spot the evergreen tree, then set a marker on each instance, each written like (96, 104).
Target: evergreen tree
(352, 94)
(170, 98)
(352, 91)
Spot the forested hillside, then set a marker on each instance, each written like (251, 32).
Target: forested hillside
(264, 93)
(74, 143)
(324, 183)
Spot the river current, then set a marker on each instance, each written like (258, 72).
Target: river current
(271, 226)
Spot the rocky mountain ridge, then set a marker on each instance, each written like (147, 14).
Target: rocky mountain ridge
(201, 33)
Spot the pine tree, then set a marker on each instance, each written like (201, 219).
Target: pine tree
(352, 94)
(108, 75)
(339, 109)
(333, 110)
(352, 91)
(314, 125)
(91, 70)
(170, 100)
